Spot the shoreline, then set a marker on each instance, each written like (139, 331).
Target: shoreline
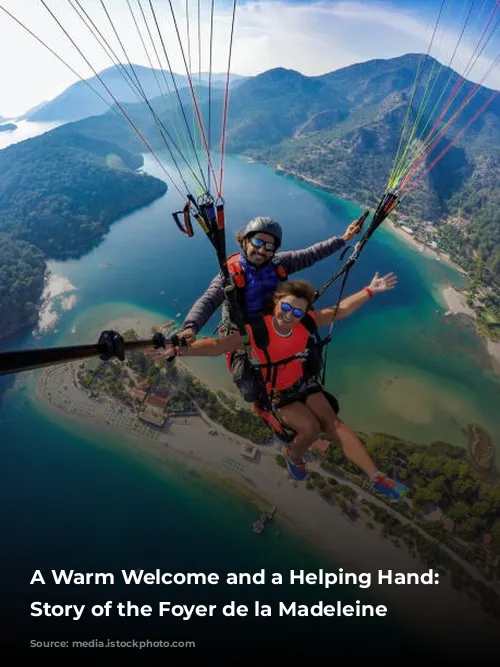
(451, 296)
(421, 247)
(261, 482)
(457, 306)
(388, 223)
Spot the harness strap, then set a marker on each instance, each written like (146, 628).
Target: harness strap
(236, 270)
(280, 362)
(267, 366)
(274, 378)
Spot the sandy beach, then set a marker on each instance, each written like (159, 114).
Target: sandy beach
(457, 305)
(456, 302)
(220, 459)
(421, 247)
(493, 348)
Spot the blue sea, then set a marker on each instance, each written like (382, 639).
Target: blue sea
(76, 499)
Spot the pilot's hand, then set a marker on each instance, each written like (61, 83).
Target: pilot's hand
(189, 335)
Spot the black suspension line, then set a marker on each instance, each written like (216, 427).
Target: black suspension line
(103, 43)
(176, 87)
(145, 49)
(132, 85)
(126, 115)
(89, 85)
(188, 33)
(210, 82)
(199, 45)
(158, 121)
(162, 71)
(193, 94)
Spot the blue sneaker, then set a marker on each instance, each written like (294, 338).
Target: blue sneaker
(297, 470)
(388, 487)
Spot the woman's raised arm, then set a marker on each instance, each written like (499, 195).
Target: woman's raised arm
(351, 303)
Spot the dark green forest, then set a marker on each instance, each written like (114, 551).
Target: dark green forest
(59, 194)
(22, 268)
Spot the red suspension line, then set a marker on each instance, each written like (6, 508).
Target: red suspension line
(458, 135)
(451, 97)
(428, 149)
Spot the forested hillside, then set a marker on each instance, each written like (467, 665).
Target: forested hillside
(344, 137)
(59, 193)
(341, 131)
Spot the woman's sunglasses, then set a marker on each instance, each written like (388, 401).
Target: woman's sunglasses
(287, 308)
(258, 243)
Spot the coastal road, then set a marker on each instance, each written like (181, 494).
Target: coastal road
(400, 517)
(316, 466)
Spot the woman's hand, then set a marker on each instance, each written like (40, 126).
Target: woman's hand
(382, 284)
(157, 354)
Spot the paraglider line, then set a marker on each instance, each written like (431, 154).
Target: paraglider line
(175, 86)
(417, 160)
(226, 103)
(457, 136)
(193, 95)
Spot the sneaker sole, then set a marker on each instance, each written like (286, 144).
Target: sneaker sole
(298, 479)
(392, 500)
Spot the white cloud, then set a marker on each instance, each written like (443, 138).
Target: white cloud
(312, 38)
(468, 58)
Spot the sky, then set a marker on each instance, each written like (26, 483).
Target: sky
(312, 37)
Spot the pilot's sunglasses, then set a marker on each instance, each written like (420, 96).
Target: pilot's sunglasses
(258, 243)
(287, 308)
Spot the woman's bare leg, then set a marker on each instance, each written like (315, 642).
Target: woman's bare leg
(331, 424)
(299, 417)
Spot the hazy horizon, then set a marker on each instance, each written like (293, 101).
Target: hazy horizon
(308, 36)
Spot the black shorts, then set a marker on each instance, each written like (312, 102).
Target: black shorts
(300, 391)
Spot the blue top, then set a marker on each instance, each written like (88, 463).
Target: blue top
(261, 283)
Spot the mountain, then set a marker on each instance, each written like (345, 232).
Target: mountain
(341, 131)
(277, 104)
(31, 112)
(125, 84)
(374, 79)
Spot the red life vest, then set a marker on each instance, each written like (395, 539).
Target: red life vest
(280, 348)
